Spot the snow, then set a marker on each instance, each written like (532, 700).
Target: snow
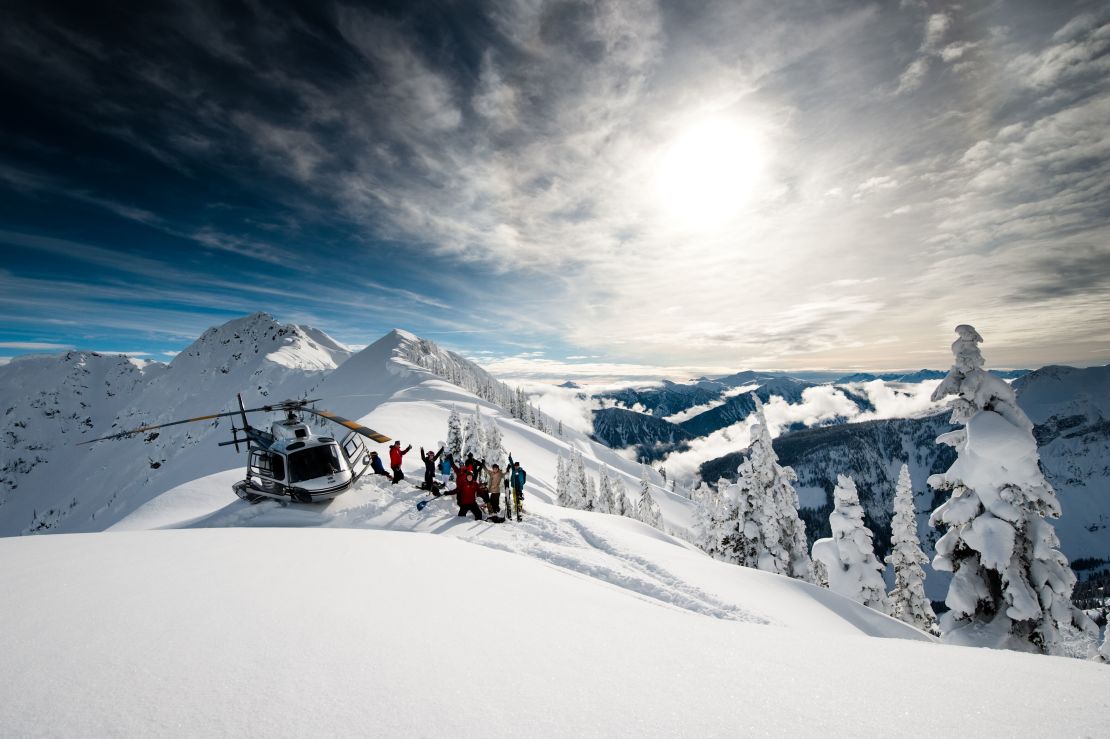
(295, 632)
(199, 614)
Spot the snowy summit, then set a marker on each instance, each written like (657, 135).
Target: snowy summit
(185, 611)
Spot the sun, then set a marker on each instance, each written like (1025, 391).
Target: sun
(709, 172)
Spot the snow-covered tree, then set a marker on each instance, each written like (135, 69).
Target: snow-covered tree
(771, 534)
(621, 505)
(820, 574)
(479, 444)
(577, 488)
(703, 497)
(562, 483)
(1011, 585)
(849, 554)
(468, 436)
(494, 453)
(907, 601)
(591, 494)
(454, 434)
(1103, 654)
(605, 501)
(647, 510)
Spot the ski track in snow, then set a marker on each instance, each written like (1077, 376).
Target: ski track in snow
(564, 544)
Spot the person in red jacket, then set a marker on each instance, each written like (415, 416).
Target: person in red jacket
(395, 454)
(466, 492)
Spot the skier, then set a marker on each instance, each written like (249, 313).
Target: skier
(376, 465)
(395, 454)
(430, 470)
(466, 490)
(495, 477)
(517, 477)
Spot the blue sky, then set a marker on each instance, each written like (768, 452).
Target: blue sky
(633, 186)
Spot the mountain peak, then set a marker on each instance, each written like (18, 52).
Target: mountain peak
(258, 335)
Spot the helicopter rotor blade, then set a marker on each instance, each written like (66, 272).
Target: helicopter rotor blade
(143, 429)
(352, 425)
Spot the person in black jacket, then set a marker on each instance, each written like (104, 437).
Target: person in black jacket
(430, 469)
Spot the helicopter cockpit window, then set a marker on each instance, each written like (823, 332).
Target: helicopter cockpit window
(269, 465)
(317, 461)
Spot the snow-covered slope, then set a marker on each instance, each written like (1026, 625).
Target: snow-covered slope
(364, 616)
(50, 404)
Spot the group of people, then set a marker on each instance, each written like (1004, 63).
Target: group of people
(469, 483)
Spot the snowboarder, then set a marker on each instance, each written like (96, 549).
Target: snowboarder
(517, 477)
(376, 465)
(395, 455)
(495, 477)
(430, 483)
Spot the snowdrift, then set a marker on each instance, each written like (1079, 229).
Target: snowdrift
(297, 632)
(199, 614)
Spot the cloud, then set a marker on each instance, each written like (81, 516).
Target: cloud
(819, 405)
(512, 150)
(32, 345)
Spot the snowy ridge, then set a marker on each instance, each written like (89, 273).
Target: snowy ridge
(425, 611)
(50, 404)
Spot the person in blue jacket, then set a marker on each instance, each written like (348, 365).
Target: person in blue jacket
(517, 478)
(376, 465)
(444, 468)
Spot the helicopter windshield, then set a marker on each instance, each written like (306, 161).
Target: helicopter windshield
(317, 461)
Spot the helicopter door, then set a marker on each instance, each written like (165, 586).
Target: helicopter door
(355, 450)
(268, 468)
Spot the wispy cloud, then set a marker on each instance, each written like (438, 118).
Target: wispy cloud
(496, 172)
(32, 345)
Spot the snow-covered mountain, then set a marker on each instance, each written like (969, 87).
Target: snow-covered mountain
(1071, 410)
(666, 399)
(50, 404)
(654, 437)
(197, 613)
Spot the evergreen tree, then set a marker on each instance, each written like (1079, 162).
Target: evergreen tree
(495, 454)
(605, 502)
(820, 574)
(579, 484)
(468, 437)
(703, 497)
(454, 435)
(726, 540)
(771, 536)
(849, 555)
(1103, 654)
(481, 445)
(621, 506)
(1010, 579)
(907, 601)
(647, 510)
(562, 486)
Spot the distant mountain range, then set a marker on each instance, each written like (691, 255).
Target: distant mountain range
(1071, 410)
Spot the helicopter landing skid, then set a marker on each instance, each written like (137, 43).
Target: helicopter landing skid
(251, 493)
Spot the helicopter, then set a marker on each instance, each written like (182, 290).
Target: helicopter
(288, 462)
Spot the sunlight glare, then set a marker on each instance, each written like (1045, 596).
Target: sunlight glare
(709, 172)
